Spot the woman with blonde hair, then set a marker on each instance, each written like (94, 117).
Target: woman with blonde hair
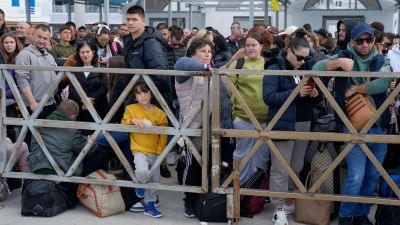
(315, 47)
(10, 46)
(208, 35)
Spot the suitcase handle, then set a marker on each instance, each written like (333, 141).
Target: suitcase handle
(81, 192)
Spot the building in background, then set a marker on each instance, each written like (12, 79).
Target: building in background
(216, 13)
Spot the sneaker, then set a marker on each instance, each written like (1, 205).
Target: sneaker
(139, 206)
(344, 221)
(150, 210)
(171, 158)
(279, 217)
(361, 220)
(140, 192)
(189, 210)
(289, 209)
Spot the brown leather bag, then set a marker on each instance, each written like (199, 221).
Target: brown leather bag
(314, 212)
(360, 110)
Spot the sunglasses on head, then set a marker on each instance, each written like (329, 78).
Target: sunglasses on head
(360, 41)
(300, 58)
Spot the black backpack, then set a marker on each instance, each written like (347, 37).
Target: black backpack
(45, 199)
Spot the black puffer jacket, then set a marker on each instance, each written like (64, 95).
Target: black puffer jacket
(173, 54)
(146, 52)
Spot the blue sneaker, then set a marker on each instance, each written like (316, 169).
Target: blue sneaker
(150, 210)
(140, 192)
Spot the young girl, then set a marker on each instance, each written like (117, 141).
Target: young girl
(10, 46)
(146, 148)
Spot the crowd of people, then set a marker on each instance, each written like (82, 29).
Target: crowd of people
(353, 47)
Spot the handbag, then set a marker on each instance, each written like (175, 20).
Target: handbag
(314, 212)
(44, 198)
(102, 200)
(360, 110)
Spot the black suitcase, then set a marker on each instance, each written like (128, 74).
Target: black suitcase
(211, 207)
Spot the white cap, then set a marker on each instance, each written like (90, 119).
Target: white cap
(289, 30)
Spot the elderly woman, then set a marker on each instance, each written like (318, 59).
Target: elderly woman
(95, 85)
(189, 90)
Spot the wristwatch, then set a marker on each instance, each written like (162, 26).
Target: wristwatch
(352, 90)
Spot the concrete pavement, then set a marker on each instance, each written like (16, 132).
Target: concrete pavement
(171, 205)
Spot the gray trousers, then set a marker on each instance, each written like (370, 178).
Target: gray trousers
(293, 152)
(243, 145)
(143, 164)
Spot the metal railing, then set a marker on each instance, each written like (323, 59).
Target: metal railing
(100, 126)
(266, 135)
(181, 130)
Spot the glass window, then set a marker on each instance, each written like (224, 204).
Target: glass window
(174, 7)
(342, 5)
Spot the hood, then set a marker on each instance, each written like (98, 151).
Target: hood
(57, 115)
(394, 56)
(149, 32)
(362, 64)
(349, 24)
(35, 51)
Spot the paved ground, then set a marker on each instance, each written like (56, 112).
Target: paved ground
(171, 205)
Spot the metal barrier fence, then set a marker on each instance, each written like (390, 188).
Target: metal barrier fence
(181, 130)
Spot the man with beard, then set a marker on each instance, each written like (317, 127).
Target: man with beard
(343, 29)
(362, 177)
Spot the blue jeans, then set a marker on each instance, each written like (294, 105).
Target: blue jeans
(363, 177)
(118, 137)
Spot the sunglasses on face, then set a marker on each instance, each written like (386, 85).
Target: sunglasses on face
(360, 41)
(388, 44)
(175, 44)
(300, 58)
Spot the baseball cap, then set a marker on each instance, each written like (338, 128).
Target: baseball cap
(360, 29)
(289, 30)
(323, 32)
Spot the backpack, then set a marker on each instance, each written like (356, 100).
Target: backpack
(250, 205)
(387, 214)
(240, 63)
(114, 46)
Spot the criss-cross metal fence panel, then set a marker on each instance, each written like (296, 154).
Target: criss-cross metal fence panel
(101, 126)
(267, 135)
(30, 122)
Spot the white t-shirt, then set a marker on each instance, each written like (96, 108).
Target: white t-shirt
(87, 73)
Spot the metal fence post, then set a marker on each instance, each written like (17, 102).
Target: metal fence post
(3, 146)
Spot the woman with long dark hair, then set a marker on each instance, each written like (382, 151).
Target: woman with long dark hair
(222, 54)
(106, 48)
(297, 117)
(10, 46)
(95, 85)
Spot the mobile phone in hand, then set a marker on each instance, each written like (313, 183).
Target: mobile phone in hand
(311, 82)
